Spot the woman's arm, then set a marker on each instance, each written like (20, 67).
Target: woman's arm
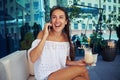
(37, 51)
(73, 63)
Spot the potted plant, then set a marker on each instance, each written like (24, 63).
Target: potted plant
(108, 50)
(27, 41)
(96, 42)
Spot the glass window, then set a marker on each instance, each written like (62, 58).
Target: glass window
(89, 17)
(11, 9)
(7, 30)
(11, 1)
(119, 9)
(109, 8)
(109, 0)
(96, 5)
(114, 8)
(4, 1)
(114, 1)
(1, 4)
(75, 25)
(36, 17)
(104, 7)
(12, 30)
(83, 26)
(89, 4)
(36, 5)
(28, 17)
(82, 3)
(27, 6)
(90, 26)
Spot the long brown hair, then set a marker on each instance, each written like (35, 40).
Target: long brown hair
(66, 29)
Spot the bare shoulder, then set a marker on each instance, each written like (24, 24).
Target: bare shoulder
(40, 34)
(66, 38)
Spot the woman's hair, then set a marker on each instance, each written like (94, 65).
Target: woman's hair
(66, 29)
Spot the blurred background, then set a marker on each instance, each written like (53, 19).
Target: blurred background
(21, 20)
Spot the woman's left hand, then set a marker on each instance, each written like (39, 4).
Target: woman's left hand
(80, 62)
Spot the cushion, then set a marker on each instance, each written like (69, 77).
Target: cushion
(19, 66)
(6, 63)
(3, 75)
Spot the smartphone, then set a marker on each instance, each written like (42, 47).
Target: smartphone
(49, 28)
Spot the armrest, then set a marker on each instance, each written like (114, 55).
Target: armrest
(16, 65)
(3, 75)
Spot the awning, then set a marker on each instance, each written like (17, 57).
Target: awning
(93, 11)
(90, 10)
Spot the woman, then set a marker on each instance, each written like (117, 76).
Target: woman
(50, 51)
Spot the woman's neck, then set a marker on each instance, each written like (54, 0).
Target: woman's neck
(54, 36)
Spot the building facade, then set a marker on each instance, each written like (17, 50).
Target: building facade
(90, 22)
(35, 9)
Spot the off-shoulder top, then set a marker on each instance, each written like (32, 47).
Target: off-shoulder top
(53, 58)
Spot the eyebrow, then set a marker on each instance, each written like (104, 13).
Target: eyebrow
(59, 15)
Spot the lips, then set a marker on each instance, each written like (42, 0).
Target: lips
(57, 25)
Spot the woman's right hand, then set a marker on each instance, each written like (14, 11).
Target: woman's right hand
(46, 30)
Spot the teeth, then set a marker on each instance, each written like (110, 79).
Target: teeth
(57, 25)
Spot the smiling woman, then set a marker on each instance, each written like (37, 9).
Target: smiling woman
(52, 51)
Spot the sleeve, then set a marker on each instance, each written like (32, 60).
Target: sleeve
(31, 65)
(34, 44)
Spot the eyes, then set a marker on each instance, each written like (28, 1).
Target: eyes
(59, 17)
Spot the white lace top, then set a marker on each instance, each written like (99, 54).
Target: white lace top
(53, 58)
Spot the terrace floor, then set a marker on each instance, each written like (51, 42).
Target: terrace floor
(105, 70)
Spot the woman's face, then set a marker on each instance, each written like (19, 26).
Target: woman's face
(58, 20)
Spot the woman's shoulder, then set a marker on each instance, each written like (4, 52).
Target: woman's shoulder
(40, 34)
(65, 37)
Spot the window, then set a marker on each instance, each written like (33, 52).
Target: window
(82, 3)
(11, 9)
(36, 17)
(90, 26)
(75, 25)
(119, 9)
(109, 0)
(104, 7)
(89, 4)
(12, 30)
(1, 4)
(83, 26)
(11, 1)
(114, 8)
(89, 17)
(7, 30)
(96, 5)
(96, 17)
(27, 6)
(28, 17)
(114, 1)
(109, 8)
(4, 1)
(36, 5)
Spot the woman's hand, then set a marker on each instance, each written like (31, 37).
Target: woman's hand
(46, 30)
(80, 62)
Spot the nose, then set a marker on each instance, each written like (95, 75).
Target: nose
(57, 20)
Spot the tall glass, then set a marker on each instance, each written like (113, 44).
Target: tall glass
(88, 56)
